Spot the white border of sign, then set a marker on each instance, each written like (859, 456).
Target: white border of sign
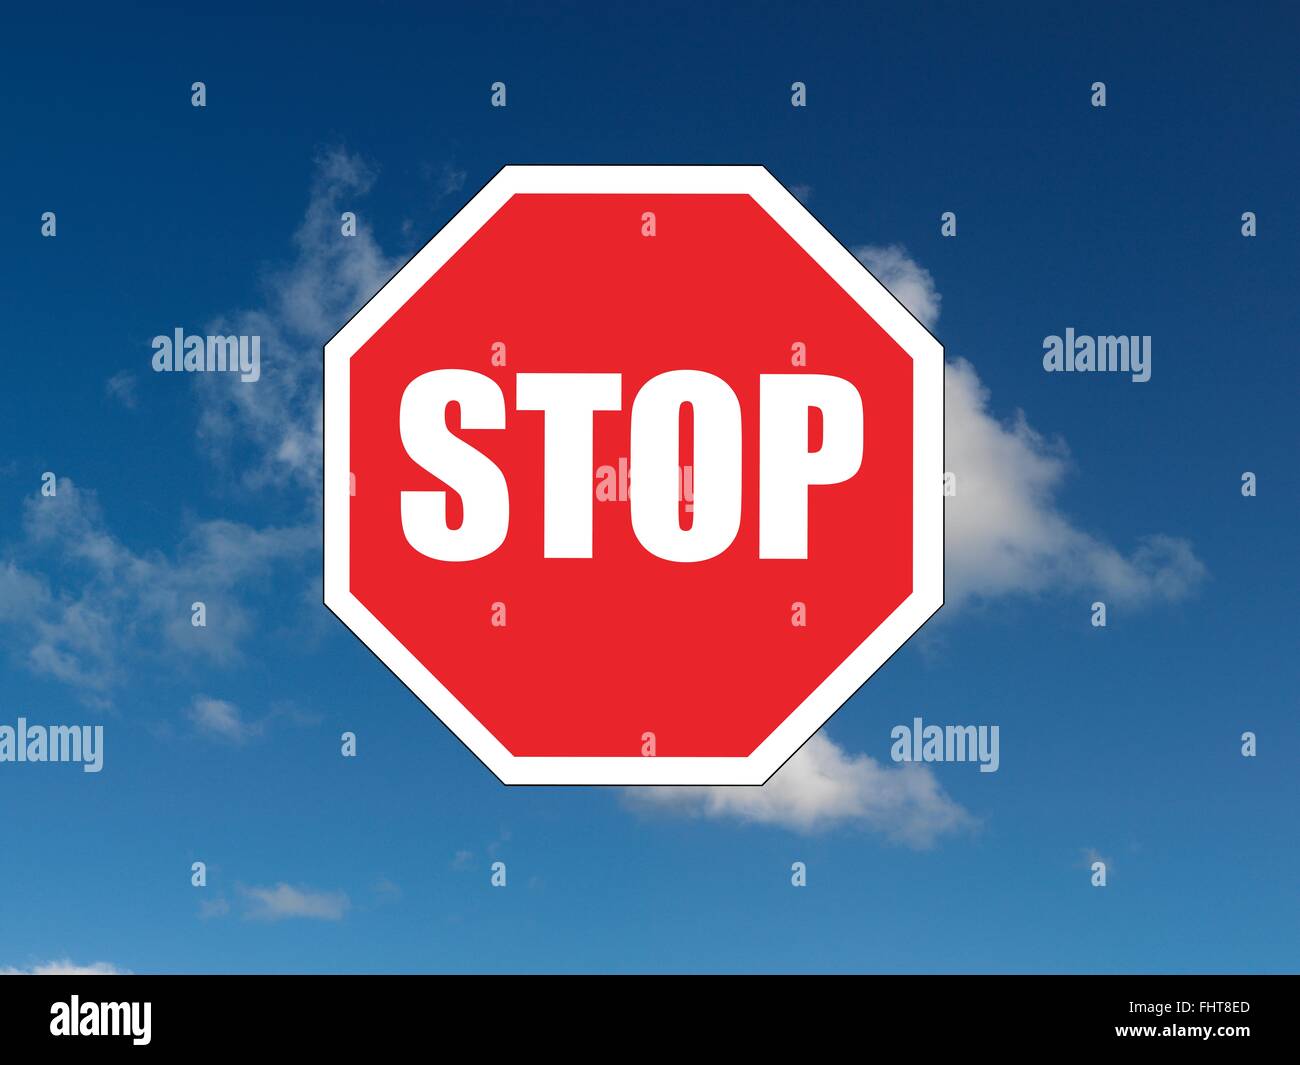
(851, 275)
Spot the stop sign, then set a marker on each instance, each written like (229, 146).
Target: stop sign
(633, 475)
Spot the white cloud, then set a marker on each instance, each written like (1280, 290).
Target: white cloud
(1005, 534)
(823, 786)
(67, 967)
(283, 901)
(216, 717)
(908, 280)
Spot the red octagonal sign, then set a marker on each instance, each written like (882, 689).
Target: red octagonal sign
(633, 475)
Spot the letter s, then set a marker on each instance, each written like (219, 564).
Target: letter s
(474, 476)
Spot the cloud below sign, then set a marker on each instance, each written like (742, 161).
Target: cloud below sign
(820, 786)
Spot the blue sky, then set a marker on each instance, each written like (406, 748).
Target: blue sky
(222, 744)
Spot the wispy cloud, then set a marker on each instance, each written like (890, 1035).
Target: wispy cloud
(212, 908)
(329, 277)
(82, 606)
(446, 178)
(123, 386)
(386, 891)
(67, 967)
(283, 902)
(216, 717)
